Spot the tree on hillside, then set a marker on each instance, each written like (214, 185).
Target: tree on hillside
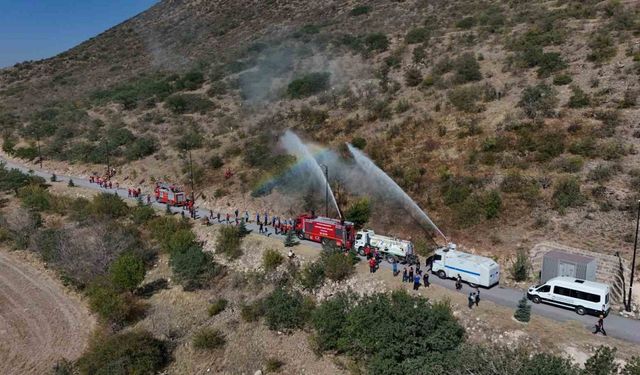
(290, 240)
(359, 212)
(127, 272)
(242, 229)
(523, 312)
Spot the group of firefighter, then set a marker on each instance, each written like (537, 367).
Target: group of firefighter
(279, 225)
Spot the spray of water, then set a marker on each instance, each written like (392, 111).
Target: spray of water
(294, 145)
(392, 188)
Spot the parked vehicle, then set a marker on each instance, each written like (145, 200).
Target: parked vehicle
(391, 248)
(476, 270)
(169, 194)
(325, 230)
(585, 297)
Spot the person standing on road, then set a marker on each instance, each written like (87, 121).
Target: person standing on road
(600, 326)
(261, 229)
(410, 274)
(416, 282)
(218, 217)
(372, 265)
(228, 216)
(394, 268)
(237, 212)
(477, 297)
(459, 282)
(405, 275)
(246, 216)
(425, 279)
(472, 300)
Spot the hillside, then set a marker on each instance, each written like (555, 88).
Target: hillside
(509, 122)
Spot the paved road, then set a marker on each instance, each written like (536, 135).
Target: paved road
(616, 326)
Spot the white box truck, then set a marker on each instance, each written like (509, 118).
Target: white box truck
(584, 297)
(392, 249)
(449, 263)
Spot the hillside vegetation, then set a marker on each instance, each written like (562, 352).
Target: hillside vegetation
(508, 121)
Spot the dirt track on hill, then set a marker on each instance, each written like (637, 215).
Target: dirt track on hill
(39, 322)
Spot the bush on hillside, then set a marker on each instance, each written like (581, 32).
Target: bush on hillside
(208, 339)
(521, 266)
(12, 179)
(217, 306)
(413, 77)
(271, 259)
(359, 212)
(376, 42)
(562, 79)
(252, 312)
(465, 98)
(312, 275)
(109, 205)
(127, 272)
(467, 69)
(188, 103)
(567, 193)
(140, 148)
(142, 214)
(309, 84)
(417, 35)
(125, 353)
(112, 307)
(579, 98)
(538, 101)
(602, 46)
(193, 268)
(338, 266)
(35, 197)
(360, 10)
(286, 310)
(550, 62)
(228, 242)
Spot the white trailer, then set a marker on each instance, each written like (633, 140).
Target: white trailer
(474, 269)
(393, 249)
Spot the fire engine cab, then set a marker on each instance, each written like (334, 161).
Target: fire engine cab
(325, 230)
(169, 194)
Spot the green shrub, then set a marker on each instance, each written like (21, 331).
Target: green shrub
(549, 144)
(124, 354)
(271, 259)
(228, 242)
(539, 100)
(127, 272)
(571, 164)
(273, 365)
(567, 193)
(359, 142)
(523, 312)
(252, 312)
(562, 79)
(12, 179)
(417, 35)
(312, 275)
(465, 98)
(193, 268)
(217, 307)
(520, 268)
(466, 23)
(110, 306)
(285, 310)
(109, 205)
(27, 153)
(141, 148)
(467, 69)
(359, 212)
(155, 87)
(208, 339)
(142, 214)
(188, 103)
(309, 84)
(216, 162)
(579, 98)
(602, 173)
(190, 81)
(469, 212)
(550, 62)
(35, 197)
(602, 46)
(360, 10)
(338, 266)
(492, 203)
(413, 77)
(585, 147)
(376, 42)
(330, 319)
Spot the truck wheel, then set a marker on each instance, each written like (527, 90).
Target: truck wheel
(442, 274)
(580, 310)
(473, 285)
(324, 242)
(301, 236)
(392, 259)
(535, 299)
(361, 251)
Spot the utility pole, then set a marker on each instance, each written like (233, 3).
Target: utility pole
(633, 261)
(39, 150)
(326, 190)
(193, 200)
(106, 147)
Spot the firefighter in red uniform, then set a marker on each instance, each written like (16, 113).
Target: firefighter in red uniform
(372, 265)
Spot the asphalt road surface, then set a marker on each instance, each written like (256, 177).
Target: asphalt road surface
(615, 325)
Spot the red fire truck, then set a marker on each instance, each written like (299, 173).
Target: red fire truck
(171, 195)
(325, 230)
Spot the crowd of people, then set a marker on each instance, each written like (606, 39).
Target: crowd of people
(279, 224)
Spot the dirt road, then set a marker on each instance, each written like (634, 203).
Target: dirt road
(39, 322)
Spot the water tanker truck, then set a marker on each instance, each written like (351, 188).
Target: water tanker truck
(449, 263)
(391, 248)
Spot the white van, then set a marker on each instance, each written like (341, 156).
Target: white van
(474, 269)
(585, 297)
